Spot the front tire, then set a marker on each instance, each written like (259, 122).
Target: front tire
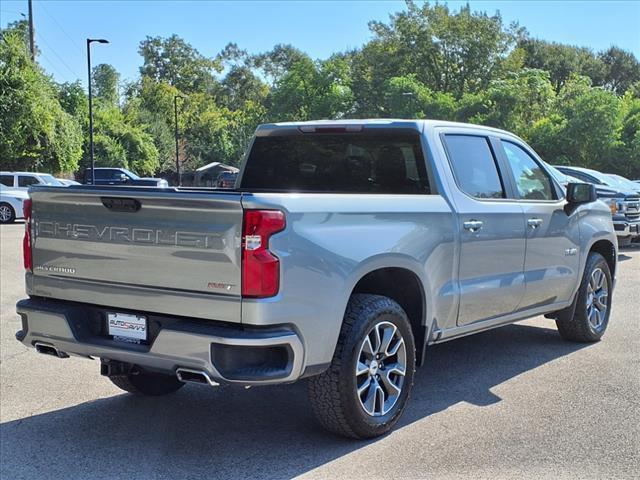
(593, 303)
(366, 388)
(7, 213)
(147, 383)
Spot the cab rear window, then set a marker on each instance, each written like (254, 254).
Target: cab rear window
(390, 163)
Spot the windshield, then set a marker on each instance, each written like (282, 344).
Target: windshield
(50, 180)
(130, 174)
(623, 182)
(602, 178)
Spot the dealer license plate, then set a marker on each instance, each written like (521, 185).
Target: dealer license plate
(127, 328)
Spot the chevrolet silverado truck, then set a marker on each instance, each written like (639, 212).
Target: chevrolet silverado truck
(344, 251)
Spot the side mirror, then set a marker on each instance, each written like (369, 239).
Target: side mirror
(124, 178)
(578, 193)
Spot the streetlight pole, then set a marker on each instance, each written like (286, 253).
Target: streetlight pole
(175, 124)
(93, 162)
(32, 45)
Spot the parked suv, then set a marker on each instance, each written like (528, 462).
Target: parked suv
(623, 202)
(121, 176)
(23, 180)
(346, 250)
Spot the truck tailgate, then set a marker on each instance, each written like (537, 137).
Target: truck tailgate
(166, 251)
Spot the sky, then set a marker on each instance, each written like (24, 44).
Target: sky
(319, 28)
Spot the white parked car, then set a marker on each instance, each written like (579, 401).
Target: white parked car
(11, 203)
(22, 180)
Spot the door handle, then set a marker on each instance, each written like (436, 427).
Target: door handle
(473, 225)
(534, 222)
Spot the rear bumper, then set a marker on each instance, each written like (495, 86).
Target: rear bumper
(227, 353)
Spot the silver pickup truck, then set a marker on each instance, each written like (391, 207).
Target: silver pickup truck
(345, 250)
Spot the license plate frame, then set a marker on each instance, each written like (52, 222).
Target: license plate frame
(127, 327)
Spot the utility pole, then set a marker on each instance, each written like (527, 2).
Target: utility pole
(32, 45)
(175, 120)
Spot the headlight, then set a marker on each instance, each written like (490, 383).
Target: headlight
(616, 205)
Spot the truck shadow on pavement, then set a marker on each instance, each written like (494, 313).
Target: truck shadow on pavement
(266, 432)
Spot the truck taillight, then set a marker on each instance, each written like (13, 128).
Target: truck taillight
(260, 267)
(26, 241)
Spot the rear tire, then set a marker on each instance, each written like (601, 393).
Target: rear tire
(359, 396)
(7, 213)
(147, 383)
(593, 303)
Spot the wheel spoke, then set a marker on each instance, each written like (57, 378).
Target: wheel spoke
(380, 400)
(397, 367)
(369, 402)
(361, 368)
(387, 337)
(366, 384)
(602, 298)
(377, 340)
(395, 347)
(367, 348)
(392, 388)
(598, 317)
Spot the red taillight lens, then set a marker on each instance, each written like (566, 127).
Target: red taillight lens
(26, 241)
(260, 268)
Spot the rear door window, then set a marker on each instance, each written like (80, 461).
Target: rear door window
(26, 180)
(6, 180)
(474, 165)
(363, 162)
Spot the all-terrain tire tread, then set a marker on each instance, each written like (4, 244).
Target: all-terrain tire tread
(324, 389)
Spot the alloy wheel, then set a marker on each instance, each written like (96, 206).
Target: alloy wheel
(380, 369)
(5, 213)
(597, 298)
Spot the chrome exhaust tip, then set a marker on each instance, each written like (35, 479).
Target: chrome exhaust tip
(47, 349)
(188, 375)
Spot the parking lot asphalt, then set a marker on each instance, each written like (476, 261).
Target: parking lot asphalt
(516, 402)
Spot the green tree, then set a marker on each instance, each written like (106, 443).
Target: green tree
(312, 90)
(584, 128)
(118, 143)
(105, 81)
(562, 61)
(447, 51)
(406, 97)
(622, 69)
(517, 101)
(35, 132)
(176, 62)
(627, 161)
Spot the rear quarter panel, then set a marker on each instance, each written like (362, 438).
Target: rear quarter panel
(332, 240)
